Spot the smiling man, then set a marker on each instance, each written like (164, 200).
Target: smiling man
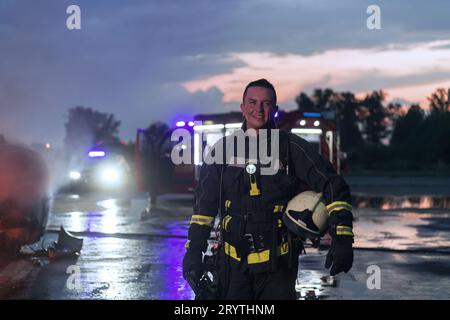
(258, 256)
(259, 105)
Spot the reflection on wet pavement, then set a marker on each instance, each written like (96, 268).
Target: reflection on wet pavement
(313, 284)
(402, 276)
(403, 223)
(132, 254)
(402, 202)
(122, 259)
(390, 230)
(118, 216)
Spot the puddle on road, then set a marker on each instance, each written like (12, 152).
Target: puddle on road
(313, 284)
(403, 222)
(399, 230)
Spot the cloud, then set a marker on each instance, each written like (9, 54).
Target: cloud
(133, 59)
(344, 69)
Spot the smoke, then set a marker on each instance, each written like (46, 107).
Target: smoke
(24, 176)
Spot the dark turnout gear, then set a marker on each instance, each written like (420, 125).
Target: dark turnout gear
(277, 285)
(340, 255)
(193, 265)
(255, 240)
(202, 276)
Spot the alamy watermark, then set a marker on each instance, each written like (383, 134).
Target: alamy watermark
(373, 22)
(237, 149)
(73, 21)
(73, 282)
(374, 280)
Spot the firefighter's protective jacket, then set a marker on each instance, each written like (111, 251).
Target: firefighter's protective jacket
(253, 234)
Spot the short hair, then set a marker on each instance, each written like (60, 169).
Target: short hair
(261, 83)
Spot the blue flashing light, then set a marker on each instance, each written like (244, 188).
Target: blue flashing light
(276, 114)
(96, 154)
(181, 124)
(312, 114)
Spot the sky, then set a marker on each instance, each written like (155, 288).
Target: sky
(162, 60)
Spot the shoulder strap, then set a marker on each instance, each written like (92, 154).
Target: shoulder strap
(221, 204)
(285, 151)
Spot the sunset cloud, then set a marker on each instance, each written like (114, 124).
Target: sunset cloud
(412, 71)
(149, 60)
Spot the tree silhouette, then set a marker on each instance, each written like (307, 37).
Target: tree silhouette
(86, 127)
(304, 103)
(156, 171)
(374, 117)
(318, 102)
(365, 124)
(440, 100)
(346, 107)
(154, 136)
(322, 99)
(406, 125)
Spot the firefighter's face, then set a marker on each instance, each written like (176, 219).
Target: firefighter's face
(257, 107)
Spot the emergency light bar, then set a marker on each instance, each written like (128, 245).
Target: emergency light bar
(196, 149)
(306, 131)
(312, 114)
(96, 154)
(233, 125)
(209, 127)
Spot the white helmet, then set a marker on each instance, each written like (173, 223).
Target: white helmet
(306, 215)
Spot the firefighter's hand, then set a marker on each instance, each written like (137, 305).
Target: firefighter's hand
(340, 255)
(193, 265)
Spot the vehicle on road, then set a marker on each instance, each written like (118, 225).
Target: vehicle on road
(99, 170)
(24, 201)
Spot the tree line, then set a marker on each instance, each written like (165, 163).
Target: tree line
(374, 134)
(379, 135)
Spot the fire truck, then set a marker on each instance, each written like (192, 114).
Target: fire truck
(206, 129)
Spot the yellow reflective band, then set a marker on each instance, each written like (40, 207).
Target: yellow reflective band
(344, 233)
(231, 251)
(258, 257)
(283, 249)
(202, 220)
(338, 205)
(338, 209)
(225, 222)
(278, 209)
(264, 256)
(280, 223)
(254, 191)
(227, 203)
(187, 244)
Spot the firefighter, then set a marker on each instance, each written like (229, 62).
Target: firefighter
(258, 255)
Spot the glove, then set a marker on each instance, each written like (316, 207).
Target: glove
(193, 266)
(340, 255)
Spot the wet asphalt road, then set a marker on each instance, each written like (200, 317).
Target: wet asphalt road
(128, 254)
